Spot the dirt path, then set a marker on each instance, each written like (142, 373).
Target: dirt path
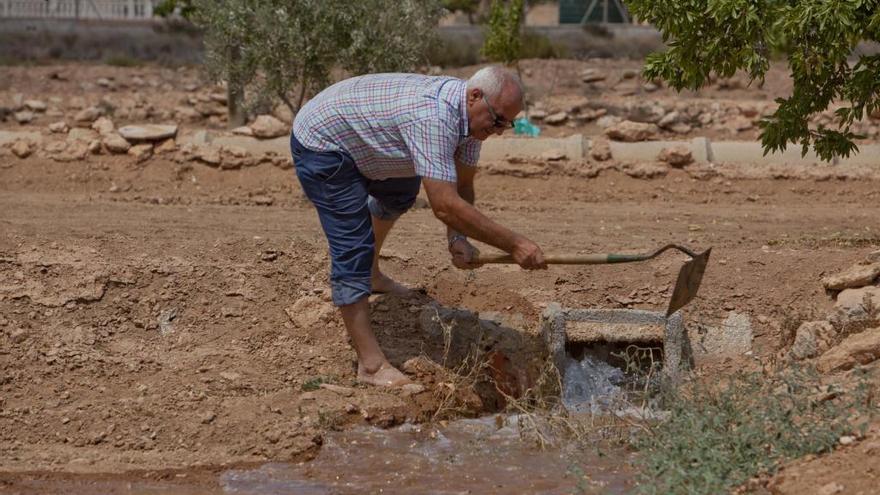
(140, 334)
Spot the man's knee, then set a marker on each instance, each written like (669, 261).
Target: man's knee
(389, 199)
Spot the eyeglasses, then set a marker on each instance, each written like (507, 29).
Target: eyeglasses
(500, 122)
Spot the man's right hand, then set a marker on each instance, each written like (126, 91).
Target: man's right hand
(528, 255)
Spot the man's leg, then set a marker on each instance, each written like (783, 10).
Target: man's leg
(339, 193)
(381, 283)
(389, 199)
(373, 368)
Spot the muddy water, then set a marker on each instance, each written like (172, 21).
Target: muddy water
(468, 456)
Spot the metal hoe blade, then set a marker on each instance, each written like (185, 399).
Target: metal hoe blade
(688, 283)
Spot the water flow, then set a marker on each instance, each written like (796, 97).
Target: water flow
(591, 385)
(483, 456)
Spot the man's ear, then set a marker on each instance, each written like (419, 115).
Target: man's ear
(474, 94)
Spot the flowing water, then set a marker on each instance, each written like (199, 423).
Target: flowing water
(469, 456)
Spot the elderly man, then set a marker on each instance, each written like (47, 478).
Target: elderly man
(363, 147)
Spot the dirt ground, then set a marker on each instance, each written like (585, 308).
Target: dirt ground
(156, 316)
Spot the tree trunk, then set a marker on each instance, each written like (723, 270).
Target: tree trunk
(236, 116)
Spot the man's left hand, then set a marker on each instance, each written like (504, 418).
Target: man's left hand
(464, 254)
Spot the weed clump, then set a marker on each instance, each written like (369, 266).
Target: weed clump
(721, 434)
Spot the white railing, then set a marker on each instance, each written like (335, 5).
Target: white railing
(78, 9)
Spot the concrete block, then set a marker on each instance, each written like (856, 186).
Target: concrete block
(500, 148)
(752, 152)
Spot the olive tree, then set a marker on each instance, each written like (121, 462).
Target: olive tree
(817, 38)
(503, 41)
(288, 49)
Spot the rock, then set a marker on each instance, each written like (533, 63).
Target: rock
(553, 155)
(338, 389)
(148, 132)
(59, 127)
(812, 338)
(310, 312)
(208, 417)
(80, 134)
(629, 74)
(105, 83)
(632, 132)
(646, 170)
(18, 335)
(832, 488)
(857, 349)
(558, 118)
(283, 113)
(846, 440)
(600, 150)
(243, 131)
(681, 128)
(608, 121)
(411, 389)
(267, 126)
(23, 117)
(103, 126)
(263, 200)
(95, 147)
(188, 114)
(853, 277)
(739, 124)
(35, 105)
(669, 120)
(873, 257)
(592, 75)
(166, 146)
(141, 152)
(677, 156)
(537, 115)
(208, 155)
(87, 115)
(115, 143)
(650, 87)
(853, 305)
(22, 148)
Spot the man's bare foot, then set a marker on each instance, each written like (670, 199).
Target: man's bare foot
(382, 284)
(386, 376)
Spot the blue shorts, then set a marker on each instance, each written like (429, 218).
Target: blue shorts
(345, 200)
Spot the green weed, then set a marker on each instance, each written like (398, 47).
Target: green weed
(721, 433)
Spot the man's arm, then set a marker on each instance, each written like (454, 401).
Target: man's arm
(461, 216)
(465, 187)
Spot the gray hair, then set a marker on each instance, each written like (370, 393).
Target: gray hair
(492, 79)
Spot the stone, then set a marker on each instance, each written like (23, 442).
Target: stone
(854, 305)
(148, 132)
(208, 155)
(873, 257)
(629, 74)
(739, 124)
(141, 152)
(115, 143)
(267, 126)
(677, 156)
(811, 339)
(81, 134)
(103, 125)
(832, 488)
(166, 146)
(853, 277)
(592, 75)
(558, 118)
(22, 148)
(650, 87)
(243, 131)
(35, 105)
(600, 150)
(553, 155)
(87, 115)
(23, 117)
(105, 83)
(411, 389)
(681, 128)
(338, 389)
(59, 127)
(283, 113)
(646, 170)
(207, 417)
(632, 132)
(537, 115)
(857, 349)
(668, 120)
(607, 121)
(310, 312)
(95, 146)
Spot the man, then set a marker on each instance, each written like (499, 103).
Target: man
(363, 146)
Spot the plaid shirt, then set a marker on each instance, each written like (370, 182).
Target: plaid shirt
(392, 125)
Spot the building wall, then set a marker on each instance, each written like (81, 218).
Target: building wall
(78, 9)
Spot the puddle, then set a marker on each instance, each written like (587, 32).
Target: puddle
(467, 456)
